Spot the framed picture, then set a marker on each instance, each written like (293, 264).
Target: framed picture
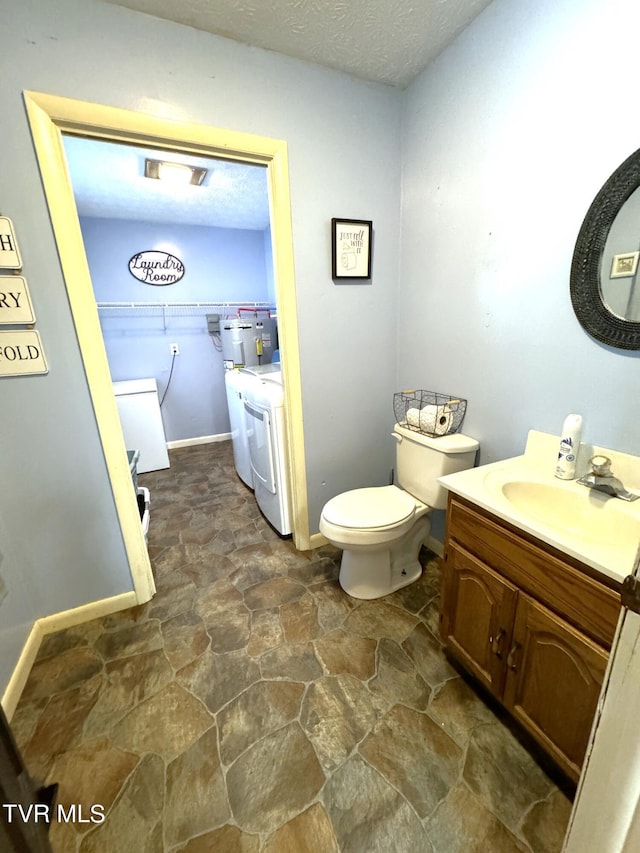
(624, 265)
(351, 248)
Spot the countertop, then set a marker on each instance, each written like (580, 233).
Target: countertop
(600, 531)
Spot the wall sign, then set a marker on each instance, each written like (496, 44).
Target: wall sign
(157, 268)
(351, 248)
(21, 353)
(9, 254)
(15, 304)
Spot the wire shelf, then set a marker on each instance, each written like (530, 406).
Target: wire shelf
(165, 312)
(184, 308)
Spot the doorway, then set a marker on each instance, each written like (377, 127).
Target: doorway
(171, 264)
(50, 117)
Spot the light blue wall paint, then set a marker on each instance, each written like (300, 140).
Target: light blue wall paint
(223, 264)
(227, 264)
(506, 140)
(65, 543)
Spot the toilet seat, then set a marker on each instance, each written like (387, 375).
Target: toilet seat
(378, 508)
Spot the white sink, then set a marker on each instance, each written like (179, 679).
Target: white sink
(601, 531)
(586, 513)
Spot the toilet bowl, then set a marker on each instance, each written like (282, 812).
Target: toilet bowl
(380, 530)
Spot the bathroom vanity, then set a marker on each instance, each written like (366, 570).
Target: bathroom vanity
(530, 624)
(531, 592)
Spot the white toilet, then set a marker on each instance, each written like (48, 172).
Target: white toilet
(381, 530)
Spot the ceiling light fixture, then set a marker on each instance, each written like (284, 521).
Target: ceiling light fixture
(175, 173)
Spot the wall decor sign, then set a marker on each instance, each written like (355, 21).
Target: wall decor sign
(156, 268)
(15, 304)
(351, 248)
(21, 353)
(9, 253)
(625, 265)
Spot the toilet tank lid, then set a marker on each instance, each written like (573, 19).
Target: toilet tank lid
(454, 443)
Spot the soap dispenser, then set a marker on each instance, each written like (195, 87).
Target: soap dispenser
(569, 447)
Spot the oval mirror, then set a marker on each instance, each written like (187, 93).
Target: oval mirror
(605, 273)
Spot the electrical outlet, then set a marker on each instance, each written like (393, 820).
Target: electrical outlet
(175, 349)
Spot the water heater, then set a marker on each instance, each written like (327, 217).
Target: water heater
(248, 341)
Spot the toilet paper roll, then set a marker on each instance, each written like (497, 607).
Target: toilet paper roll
(413, 418)
(435, 419)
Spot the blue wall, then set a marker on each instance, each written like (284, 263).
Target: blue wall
(503, 151)
(221, 264)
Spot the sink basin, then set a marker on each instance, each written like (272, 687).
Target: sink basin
(586, 514)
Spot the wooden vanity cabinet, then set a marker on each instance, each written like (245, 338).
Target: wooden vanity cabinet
(531, 624)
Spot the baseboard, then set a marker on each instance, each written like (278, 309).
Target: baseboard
(436, 546)
(87, 612)
(202, 439)
(19, 676)
(317, 540)
(49, 625)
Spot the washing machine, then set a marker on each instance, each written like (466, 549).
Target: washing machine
(271, 371)
(235, 381)
(264, 413)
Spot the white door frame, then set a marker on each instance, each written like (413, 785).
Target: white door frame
(50, 116)
(606, 811)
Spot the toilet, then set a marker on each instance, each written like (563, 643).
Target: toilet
(380, 530)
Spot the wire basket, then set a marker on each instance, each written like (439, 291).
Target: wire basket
(428, 412)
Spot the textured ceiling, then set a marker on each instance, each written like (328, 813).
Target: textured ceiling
(108, 181)
(387, 41)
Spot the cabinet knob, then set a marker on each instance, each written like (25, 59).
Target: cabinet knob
(512, 658)
(496, 643)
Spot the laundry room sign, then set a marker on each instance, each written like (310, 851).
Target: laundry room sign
(156, 268)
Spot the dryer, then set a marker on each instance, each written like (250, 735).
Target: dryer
(235, 381)
(264, 413)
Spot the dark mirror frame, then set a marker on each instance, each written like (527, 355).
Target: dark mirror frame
(585, 285)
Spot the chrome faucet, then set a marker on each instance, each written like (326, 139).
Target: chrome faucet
(601, 479)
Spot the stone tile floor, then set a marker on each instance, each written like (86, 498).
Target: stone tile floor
(252, 706)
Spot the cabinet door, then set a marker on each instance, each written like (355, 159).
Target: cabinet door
(477, 614)
(554, 675)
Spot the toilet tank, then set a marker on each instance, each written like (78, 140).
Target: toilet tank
(420, 460)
